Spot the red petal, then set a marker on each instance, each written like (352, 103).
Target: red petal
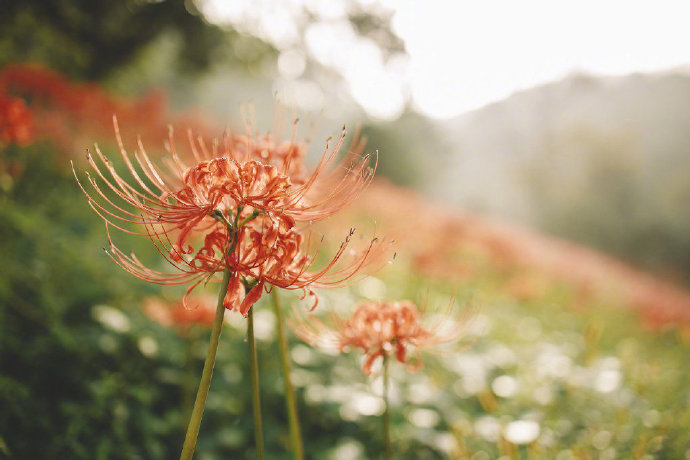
(232, 296)
(400, 353)
(250, 299)
(366, 366)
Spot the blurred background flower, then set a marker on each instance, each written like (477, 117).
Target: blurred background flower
(200, 310)
(382, 328)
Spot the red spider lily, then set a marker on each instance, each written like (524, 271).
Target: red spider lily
(230, 211)
(381, 329)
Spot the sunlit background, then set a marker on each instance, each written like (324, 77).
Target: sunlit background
(534, 162)
(453, 57)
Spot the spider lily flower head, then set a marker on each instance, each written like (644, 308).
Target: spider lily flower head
(383, 328)
(67, 113)
(230, 211)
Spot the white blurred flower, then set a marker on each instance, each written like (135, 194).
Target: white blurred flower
(522, 431)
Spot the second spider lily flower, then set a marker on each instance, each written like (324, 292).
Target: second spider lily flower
(383, 329)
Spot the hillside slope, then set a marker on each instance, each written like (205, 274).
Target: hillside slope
(458, 246)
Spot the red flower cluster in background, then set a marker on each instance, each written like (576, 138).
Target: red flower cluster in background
(71, 114)
(16, 121)
(202, 312)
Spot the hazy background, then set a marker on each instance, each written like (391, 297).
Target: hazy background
(571, 117)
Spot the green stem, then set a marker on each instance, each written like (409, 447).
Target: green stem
(386, 411)
(249, 218)
(256, 400)
(207, 373)
(188, 379)
(290, 400)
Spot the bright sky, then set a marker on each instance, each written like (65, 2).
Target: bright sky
(464, 54)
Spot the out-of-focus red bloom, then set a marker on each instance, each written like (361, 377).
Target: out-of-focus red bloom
(200, 310)
(16, 121)
(382, 329)
(69, 114)
(235, 208)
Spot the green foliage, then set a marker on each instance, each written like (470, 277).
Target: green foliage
(90, 39)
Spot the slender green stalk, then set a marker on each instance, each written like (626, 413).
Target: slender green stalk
(290, 400)
(386, 412)
(189, 378)
(256, 400)
(207, 373)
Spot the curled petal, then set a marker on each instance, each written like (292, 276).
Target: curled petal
(234, 293)
(314, 295)
(185, 299)
(250, 299)
(369, 361)
(400, 352)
